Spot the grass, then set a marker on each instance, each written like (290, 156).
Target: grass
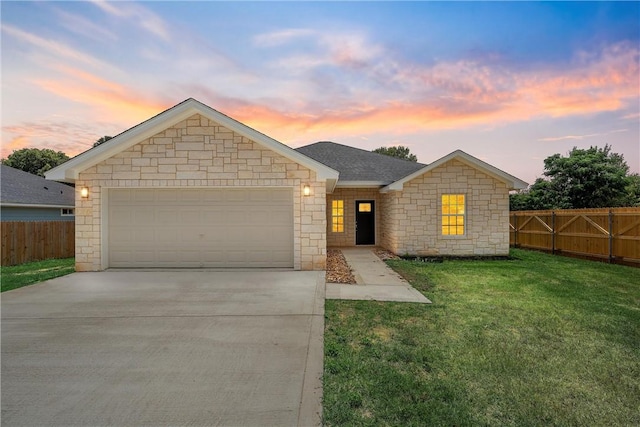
(533, 341)
(21, 275)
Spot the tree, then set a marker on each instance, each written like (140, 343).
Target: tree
(633, 190)
(102, 140)
(399, 152)
(34, 160)
(586, 178)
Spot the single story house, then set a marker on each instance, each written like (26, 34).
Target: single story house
(28, 197)
(192, 187)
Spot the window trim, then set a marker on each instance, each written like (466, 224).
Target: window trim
(71, 212)
(465, 219)
(337, 216)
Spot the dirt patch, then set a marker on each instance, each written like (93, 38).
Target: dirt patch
(338, 271)
(384, 334)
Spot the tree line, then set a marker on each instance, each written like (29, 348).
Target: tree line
(585, 178)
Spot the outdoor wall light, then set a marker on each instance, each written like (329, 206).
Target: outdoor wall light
(306, 190)
(84, 192)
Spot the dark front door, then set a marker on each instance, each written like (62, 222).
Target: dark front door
(365, 223)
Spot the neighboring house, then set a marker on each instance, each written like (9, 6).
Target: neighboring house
(28, 197)
(192, 187)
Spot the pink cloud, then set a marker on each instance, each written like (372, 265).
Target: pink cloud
(70, 138)
(107, 99)
(16, 143)
(466, 93)
(448, 95)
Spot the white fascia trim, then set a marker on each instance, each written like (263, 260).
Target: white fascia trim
(69, 171)
(511, 181)
(361, 184)
(25, 205)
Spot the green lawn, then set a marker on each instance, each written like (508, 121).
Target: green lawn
(21, 275)
(537, 340)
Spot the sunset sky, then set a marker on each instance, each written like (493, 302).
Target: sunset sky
(508, 82)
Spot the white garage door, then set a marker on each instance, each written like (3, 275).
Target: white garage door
(201, 227)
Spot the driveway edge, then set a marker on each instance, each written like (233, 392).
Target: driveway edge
(310, 413)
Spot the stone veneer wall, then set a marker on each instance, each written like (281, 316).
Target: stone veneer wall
(411, 218)
(349, 196)
(196, 153)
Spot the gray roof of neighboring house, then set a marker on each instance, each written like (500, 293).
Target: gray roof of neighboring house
(19, 187)
(359, 165)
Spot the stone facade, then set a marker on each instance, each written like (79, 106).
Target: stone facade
(199, 153)
(350, 196)
(411, 219)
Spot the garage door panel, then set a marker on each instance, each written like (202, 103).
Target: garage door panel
(166, 216)
(201, 227)
(143, 215)
(189, 216)
(167, 236)
(147, 235)
(120, 196)
(122, 216)
(212, 215)
(237, 195)
(142, 195)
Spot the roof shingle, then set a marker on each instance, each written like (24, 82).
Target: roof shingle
(359, 165)
(21, 187)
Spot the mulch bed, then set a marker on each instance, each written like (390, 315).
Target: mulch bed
(338, 271)
(385, 255)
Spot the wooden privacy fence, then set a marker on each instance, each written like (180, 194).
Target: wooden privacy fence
(34, 241)
(611, 234)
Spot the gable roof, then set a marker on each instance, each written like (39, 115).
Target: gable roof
(69, 171)
(357, 167)
(19, 188)
(511, 181)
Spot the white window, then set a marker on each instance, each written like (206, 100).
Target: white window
(453, 214)
(337, 216)
(67, 212)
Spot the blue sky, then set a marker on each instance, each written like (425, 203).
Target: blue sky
(508, 82)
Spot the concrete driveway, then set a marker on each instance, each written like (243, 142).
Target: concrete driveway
(212, 348)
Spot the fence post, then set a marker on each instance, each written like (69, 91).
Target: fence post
(515, 222)
(610, 236)
(553, 232)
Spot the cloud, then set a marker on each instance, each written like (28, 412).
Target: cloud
(280, 37)
(631, 116)
(104, 98)
(50, 46)
(136, 14)
(84, 27)
(16, 143)
(450, 95)
(70, 138)
(445, 95)
(580, 137)
(345, 72)
(350, 49)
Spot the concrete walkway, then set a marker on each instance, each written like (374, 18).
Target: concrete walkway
(375, 280)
